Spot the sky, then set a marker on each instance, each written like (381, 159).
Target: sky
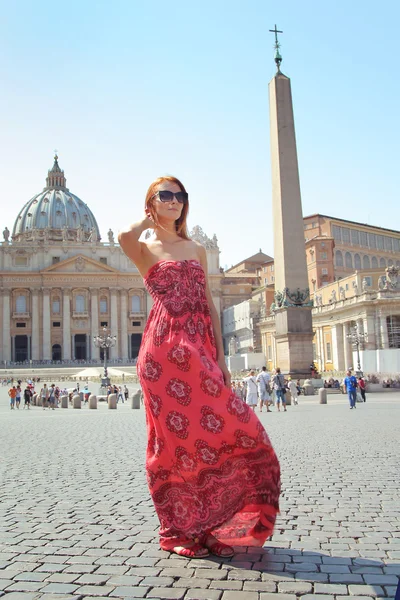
(128, 90)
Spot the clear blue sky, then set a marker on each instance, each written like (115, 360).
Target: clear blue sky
(128, 90)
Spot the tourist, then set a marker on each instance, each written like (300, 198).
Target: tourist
(278, 383)
(293, 391)
(240, 392)
(52, 396)
(18, 396)
(12, 392)
(120, 395)
(350, 386)
(198, 451)
(126, 392)
(251, 390)
(263, 382)
(44, 394)
(27, 397)
(361, 387)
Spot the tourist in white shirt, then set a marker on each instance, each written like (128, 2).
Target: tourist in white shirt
(263, 381)
(293, 391)
(251, 390)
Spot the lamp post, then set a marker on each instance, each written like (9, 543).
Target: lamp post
(357, 337)
(105, 341)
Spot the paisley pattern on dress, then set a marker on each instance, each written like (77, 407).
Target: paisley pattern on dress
(210, 465)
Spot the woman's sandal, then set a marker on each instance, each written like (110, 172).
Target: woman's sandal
(218, 548)
(194, 551)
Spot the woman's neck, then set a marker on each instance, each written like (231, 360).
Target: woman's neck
(167, 234)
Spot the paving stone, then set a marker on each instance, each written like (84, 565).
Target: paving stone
(229, 585)
(381, 579)
(326, 588)
(267, 596)
(25, 586)
(366, 590)
(167, 593)
(31, 576)
(211, 573)
(240, 575)
(259, 586)
(59, 588)
(235, 595)
(91, 579)
(81, 569)
(125, 580)
(199, 594)
(51, 568)
(128, 592)
(94, 590)
(22, 596)
(62, 577)
(295, 587)
(157, 581)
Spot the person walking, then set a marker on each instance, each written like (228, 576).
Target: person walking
(212, 472)
(18, 396)
(126, 393)
(52, 396)
(350, 385)
(44, 394)
(27, 397)
(361, 386)
(120, 395)
(293, 391)
(263, 382)
(251, 390)
(12, 392)
(278, 383)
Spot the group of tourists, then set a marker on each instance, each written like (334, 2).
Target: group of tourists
(122, 393)
(265, 390)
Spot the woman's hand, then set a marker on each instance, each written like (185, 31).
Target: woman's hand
(225, 372)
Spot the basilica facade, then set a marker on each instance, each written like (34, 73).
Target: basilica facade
(60, 284)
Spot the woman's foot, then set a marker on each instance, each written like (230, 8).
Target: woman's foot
(218, 548)
(191, 550)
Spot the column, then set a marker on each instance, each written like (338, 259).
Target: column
(369, 330)
(94, 316)
(383, 331)
(6, 326)
(124, 325)
(338, 347)
(348, 351)
(46, 325)
(320, 335)
(35, 325)
(66, 355)
(114, 320)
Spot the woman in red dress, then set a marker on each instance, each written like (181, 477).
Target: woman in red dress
(212, 473)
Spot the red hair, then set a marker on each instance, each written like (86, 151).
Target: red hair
(180, 224)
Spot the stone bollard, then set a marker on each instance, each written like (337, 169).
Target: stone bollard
(92, 401)
(39, 400)
(34, 399)
(308, 388)
(76, 401)
(322, 396)
(112, 401)
(135, 402)
(64, 401)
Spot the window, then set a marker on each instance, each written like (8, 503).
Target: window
(337, 233)
(56, 306)
(382, 263)
(272, 279)
(104, 324)
(313, 225)
(324, 271)
(103, 260)
(55, 260)
(355, 238)
(56, 324)
(328, 351)
(363, 239)
(21, 261)
(322, 244)
(80, 303)
(390, 262)
(272, 268)
(379, 242)
(339, 258)
(136, 323)
(347, 287)
(135, 303)
(21, 324)
(366, 262)
(393, 327)
(357, 262)
(368, 280)
(346, 235)
(374, 262)
(21, 304)
(324, 255)
(269, 352)
(396, 244)
(103, 306)
(372, 240)
(348, 260)
(388, 244)
(265, 280)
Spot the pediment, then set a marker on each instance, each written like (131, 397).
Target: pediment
(79, 264)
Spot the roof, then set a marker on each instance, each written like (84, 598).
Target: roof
(258, 259)
(351, 222)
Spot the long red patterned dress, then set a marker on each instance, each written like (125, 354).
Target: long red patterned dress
(210, 465)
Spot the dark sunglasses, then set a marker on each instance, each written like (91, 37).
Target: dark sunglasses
(167, 196)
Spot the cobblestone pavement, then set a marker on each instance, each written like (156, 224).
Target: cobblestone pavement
(76, 519)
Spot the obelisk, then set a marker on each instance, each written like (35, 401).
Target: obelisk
(292, 307)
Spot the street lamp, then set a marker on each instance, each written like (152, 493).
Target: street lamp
(357, 337)
(105, 341)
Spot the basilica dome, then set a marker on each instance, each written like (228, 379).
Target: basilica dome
(56, 213)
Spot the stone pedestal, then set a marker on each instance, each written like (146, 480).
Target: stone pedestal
(135, 402)
(112, 401)
(293, 326)
(64, 401)
(76, 401)
(308, 388)
(38, 400)
(34, 399)
(322, 396)
(92, 401)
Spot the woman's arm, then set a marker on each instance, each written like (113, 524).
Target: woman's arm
(215, 320)
(129, 241)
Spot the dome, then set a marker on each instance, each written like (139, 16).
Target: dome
(56, 213)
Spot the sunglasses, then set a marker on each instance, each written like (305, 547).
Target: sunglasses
(167, 196)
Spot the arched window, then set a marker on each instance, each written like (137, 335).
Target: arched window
(390, 262)
(374, 262)
(135, 304)
(348, 260)
(80, 303)
(357, 262)
(366, 263)
(56, 306)
(382, 263)
(21, 304)
(103, 305)
(339, 258)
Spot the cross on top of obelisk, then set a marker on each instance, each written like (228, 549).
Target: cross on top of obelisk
(278, 57)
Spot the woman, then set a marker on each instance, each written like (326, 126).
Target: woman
(212, 473)
(278, 383)
(251, 390)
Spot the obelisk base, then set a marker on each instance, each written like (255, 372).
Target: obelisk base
(294, 334)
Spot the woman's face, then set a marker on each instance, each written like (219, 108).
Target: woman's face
(167, 211)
